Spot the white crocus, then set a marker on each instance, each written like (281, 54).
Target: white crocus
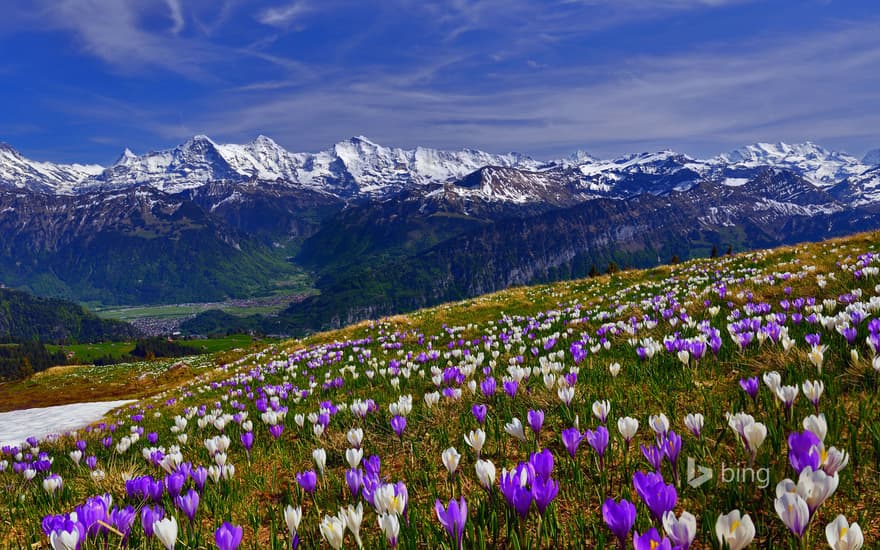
(451, 457)
(475, 439)
(166, 531)
(681, 530)
(735, 530)
(842, 535)
(515, 428)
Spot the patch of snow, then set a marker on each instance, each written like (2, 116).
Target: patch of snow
(16, 426)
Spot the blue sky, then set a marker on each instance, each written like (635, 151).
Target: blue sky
(82, 79)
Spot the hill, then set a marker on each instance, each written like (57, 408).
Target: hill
(51, 320)
(737, 393)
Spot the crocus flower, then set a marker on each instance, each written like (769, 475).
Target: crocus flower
(750, 386)
(571, 438)
(149, 516)
(660, 424)
(66, 538)
(601, 410)
(166, 531)
(794, 512)
(247, 441)
(735, 530)
(515, 488)
(654, 455)
(308, 481)
(515, 428)
(804, 450)
(694, 423)
(354, 516)
(354, 478)
(544, 490)
(842, 535)
(453, 518)
(292, 517)
(627, 427)
(320, 458)
(536, 420)
(188, 504)
(681, 530)
(228, 536)
(598, 440)
(619, 517)
(475, 440)
(651, 540)
(174, 483)
(451, 458)
(398, 424)
(479, 412)
(813, 391)
(390, 526)
(655, 493)
(485, 473)
(333, 531)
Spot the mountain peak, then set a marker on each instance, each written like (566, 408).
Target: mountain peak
(264, 140)
(872, 157)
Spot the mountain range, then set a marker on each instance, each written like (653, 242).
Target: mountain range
(384, 229)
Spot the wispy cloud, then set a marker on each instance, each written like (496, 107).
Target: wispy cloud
(812, 87)
(284, 16)
(176, 15)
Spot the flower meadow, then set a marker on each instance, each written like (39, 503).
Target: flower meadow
(721, 403)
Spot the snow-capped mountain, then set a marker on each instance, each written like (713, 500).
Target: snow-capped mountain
(821, 166)
(356, 166)
(359, 167)
(44, 177)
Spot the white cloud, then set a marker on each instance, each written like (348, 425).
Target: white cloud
(284, 16)
(176, 15)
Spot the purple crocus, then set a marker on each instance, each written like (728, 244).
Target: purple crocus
(479, 412)
(122, 519)
(188, 504)
(750, 386)
(149, 516)
(247, 441)
(488, 386)
(571, 438)
(398, 424)
(228, 536)
(276, 430)
(511, 387)
(657, 495)
(174, 483)
(651, 540)
(536, 420)
(598, 440)
(542, 463)
(453, 518)
(654, 455)
(354, 479)
(199, 476)
(619, 517)
(515, 488)
(671, 450)
(804, 449)
(544, 490)
(308, 481)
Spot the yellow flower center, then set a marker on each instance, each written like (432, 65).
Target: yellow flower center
(734, 526)
(843, 531)
(654, 544)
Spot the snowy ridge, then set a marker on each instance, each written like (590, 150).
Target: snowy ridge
(820, 166)
(46, 177)
(361, 167)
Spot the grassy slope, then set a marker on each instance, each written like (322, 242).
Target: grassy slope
(265, 480)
